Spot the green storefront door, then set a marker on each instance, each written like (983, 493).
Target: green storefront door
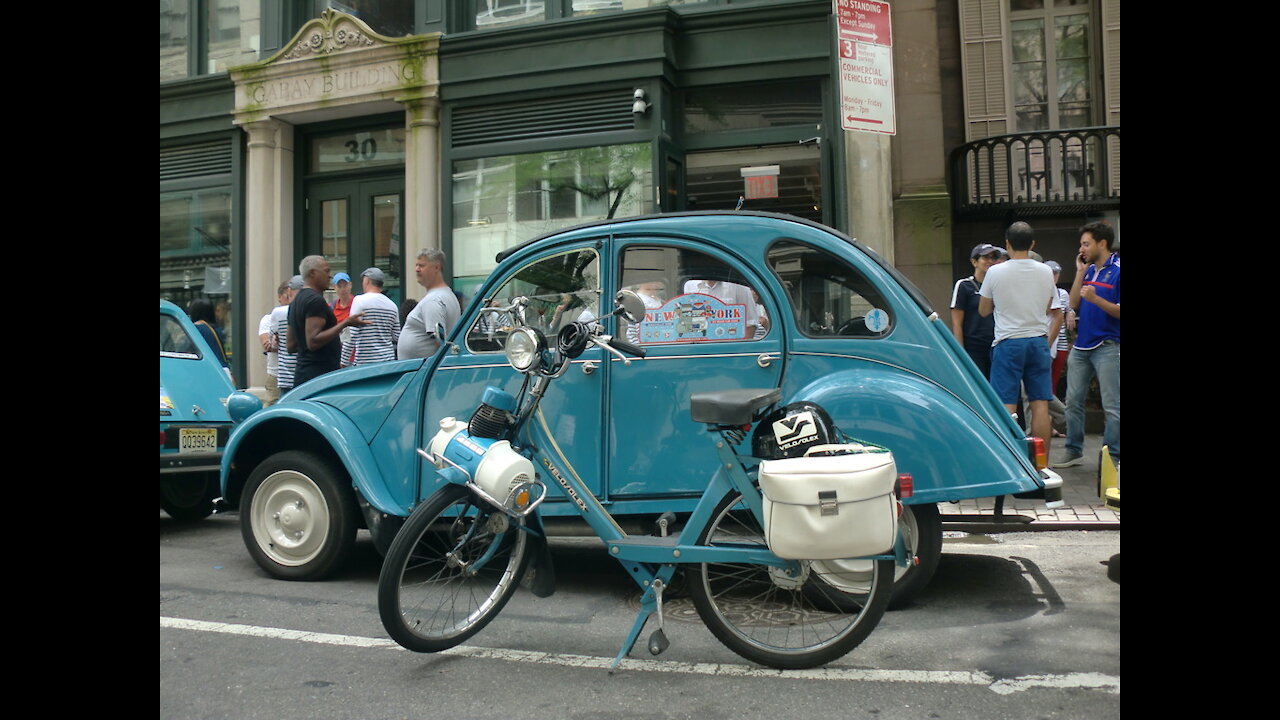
(356, 224)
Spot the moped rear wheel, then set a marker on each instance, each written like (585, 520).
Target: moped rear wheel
(449, 571)
(780, 621)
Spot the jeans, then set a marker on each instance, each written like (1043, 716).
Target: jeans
(1082, 366)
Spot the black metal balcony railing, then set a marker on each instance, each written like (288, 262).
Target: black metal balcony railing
(1038, 172)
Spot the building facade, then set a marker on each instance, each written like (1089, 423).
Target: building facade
(366, 131)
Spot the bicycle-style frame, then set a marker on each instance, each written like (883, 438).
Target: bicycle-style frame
(651, 560)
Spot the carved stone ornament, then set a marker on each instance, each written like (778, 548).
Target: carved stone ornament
(332, 31)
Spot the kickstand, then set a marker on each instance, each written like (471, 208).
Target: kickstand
(647, 607)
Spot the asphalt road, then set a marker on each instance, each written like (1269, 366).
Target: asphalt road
(1015, 625)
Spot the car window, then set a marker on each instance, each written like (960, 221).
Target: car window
(690, 297)
(174, 340)
(561, 289)
(829, 296)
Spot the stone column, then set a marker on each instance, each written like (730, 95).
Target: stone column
(268, 228)
(421, 183)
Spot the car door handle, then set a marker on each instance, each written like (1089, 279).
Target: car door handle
(764, 360)
(588, 367)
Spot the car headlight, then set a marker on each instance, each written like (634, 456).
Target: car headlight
(524, 348)
(240, 405)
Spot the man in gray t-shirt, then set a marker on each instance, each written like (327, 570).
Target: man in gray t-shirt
(439, 306)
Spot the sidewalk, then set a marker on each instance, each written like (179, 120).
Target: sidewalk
(1082, 510)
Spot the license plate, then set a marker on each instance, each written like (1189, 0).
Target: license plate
(197, 440)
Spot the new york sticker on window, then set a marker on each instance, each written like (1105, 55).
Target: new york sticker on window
(694, 318)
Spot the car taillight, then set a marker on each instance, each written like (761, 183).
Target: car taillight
(1035, 448)
(905, 486)
(162, 437)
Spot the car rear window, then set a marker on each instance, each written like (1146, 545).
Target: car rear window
(175, 342)
(830, 297)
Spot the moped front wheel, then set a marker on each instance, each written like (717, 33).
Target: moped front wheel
(451, 568)
(778, 620)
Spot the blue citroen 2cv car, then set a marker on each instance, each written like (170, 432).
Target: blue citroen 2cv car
(194, 422)
(733, 300)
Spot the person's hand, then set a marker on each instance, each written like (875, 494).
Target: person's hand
(1080, 263)
(1088, 293)
(355, 321)
(1071, 319)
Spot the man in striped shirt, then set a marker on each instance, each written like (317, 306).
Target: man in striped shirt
(286, 361)
(376, 341)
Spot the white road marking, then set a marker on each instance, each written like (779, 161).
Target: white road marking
(1093, 681)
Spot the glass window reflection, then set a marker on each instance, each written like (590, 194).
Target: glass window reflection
(499, 202)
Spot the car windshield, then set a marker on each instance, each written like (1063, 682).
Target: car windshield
(174, 340)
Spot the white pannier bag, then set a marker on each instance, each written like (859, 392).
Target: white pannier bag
(826, 507)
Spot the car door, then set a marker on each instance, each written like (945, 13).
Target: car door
(699, 335)
(563, 285)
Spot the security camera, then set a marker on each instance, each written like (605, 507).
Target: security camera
(639, 107)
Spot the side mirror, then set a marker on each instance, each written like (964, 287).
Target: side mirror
(629, 305)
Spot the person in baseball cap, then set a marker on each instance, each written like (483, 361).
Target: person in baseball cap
(341, 305)
(982, 249)
(971, 329)
(375, 342)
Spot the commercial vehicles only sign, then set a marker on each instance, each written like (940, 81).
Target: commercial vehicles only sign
(864, 40)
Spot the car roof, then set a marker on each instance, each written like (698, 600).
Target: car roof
(914, 292)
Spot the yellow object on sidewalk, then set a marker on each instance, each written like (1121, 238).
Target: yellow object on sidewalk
(1108, 480)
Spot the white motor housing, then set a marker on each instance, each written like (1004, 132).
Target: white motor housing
(492, 464)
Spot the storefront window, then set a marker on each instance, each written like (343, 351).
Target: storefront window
(753, 106)
(499, 202)
(784, 179)
(195, 252)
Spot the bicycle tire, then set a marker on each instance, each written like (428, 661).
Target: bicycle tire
(429, 597)
(777, 621)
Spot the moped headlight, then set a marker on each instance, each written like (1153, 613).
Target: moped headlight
(524, 348)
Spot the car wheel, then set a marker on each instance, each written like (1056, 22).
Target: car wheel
(922, 530)
(188, 497)
(298, 516)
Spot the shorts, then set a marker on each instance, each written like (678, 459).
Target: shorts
(1019, 362)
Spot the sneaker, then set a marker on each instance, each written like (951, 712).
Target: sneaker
(1069, 459)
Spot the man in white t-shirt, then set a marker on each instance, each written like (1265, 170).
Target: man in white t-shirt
(376, 341)
(438, 307)
(1021, 293)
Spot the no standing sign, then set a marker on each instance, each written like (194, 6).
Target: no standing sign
(864, 40)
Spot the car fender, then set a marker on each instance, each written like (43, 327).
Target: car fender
(951, 452)
(309, 426)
